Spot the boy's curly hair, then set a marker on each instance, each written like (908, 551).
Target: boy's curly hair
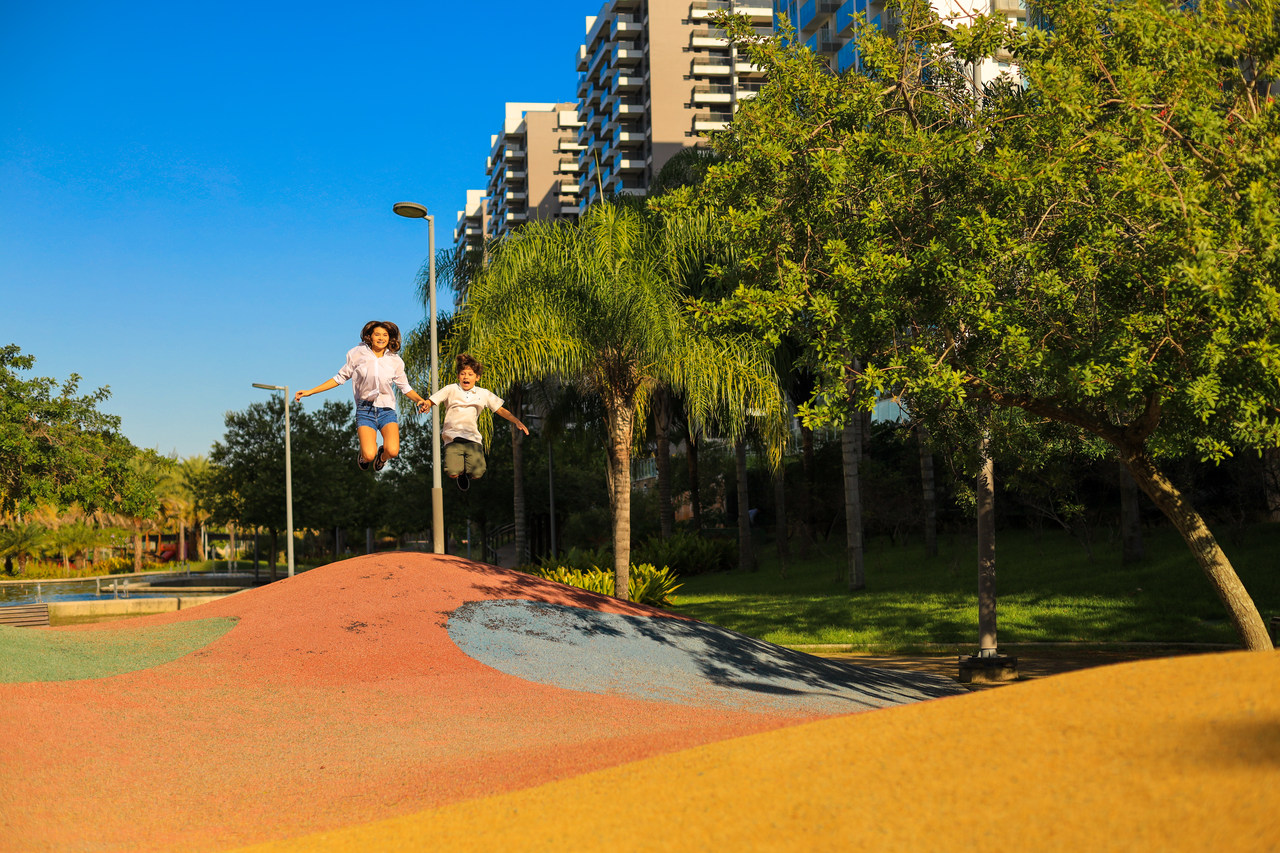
(468, 360)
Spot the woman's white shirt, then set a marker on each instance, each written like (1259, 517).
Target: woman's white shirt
(374, 376)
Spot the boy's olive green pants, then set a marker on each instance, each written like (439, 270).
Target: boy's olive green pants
(462, 455)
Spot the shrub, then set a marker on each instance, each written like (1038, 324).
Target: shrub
(647, 584)
(651, 585)
(592, 580)
(689, 554)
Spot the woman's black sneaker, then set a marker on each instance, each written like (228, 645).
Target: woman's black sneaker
(361, 464)
(380, 461)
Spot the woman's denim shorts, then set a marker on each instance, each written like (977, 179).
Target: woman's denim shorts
(375, 417)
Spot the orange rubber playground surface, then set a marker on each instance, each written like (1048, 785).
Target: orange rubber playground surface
(405, 701)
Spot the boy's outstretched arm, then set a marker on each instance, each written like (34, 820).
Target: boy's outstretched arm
(502, 410)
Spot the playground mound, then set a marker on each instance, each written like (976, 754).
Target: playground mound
(374, 688)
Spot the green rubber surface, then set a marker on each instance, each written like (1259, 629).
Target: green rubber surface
(31, 654)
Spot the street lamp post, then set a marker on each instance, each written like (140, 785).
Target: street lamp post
(288, 472)
(417, 211)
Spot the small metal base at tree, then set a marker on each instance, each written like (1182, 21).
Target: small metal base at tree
(988, 669)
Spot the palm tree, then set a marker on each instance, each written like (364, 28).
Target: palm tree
(598, 303)
(22, 539)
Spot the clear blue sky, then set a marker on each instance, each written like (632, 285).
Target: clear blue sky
(196, 198)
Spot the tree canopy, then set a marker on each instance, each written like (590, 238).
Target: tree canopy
(58, 448)
(1095, 244)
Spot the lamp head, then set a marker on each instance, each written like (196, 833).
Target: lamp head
(410, 209)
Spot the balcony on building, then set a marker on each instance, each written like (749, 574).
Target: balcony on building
(755, 9)
(594, 62)
(513, 153)
(713, 93)
(1012, 8)
(624, 25)
(712, 66)
(804, 22)
(847, 57)
(708, 120)
(708, 37)
(624, 82)
(702, 9)
(627, 53)
(847, 20)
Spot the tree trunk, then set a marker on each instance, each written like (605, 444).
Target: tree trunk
(662, 429)
(1271, 481)
(782, 528)
(851, 445)
(806, 489)
(137, 546)
(275, 549)
(551, 495)
(746, 560)
(515, 407)
(695, 492)
(621, 419)
(930, 493)
(1130, 519)
(985, 496)
(1240, 607)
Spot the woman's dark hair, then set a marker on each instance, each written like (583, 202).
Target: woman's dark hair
(466, 360)
(393, 332)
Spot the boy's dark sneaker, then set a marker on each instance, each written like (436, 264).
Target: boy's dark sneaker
(362, 464)
(380, 461)
(464, 482)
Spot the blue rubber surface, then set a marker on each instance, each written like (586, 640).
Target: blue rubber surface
(673, 660)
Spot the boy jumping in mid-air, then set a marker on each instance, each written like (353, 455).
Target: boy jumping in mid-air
(462, 401)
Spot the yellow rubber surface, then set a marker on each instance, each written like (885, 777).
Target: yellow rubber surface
(1164, 755)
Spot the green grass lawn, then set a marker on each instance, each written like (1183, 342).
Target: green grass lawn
(1048, 590)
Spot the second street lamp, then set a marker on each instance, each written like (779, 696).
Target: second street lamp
(288, 478)
(413, 210)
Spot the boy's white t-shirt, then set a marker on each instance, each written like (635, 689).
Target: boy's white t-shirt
(462, 410)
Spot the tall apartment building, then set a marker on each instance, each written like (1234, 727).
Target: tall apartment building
(828, 27)
(533, 167)
(653, 77)
(473, 222)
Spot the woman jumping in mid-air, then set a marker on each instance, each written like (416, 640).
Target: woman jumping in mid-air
(376, 366)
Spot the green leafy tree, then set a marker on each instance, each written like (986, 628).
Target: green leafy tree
(1095, 247)
(57, 448)
(597, 303)
(246, 478)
